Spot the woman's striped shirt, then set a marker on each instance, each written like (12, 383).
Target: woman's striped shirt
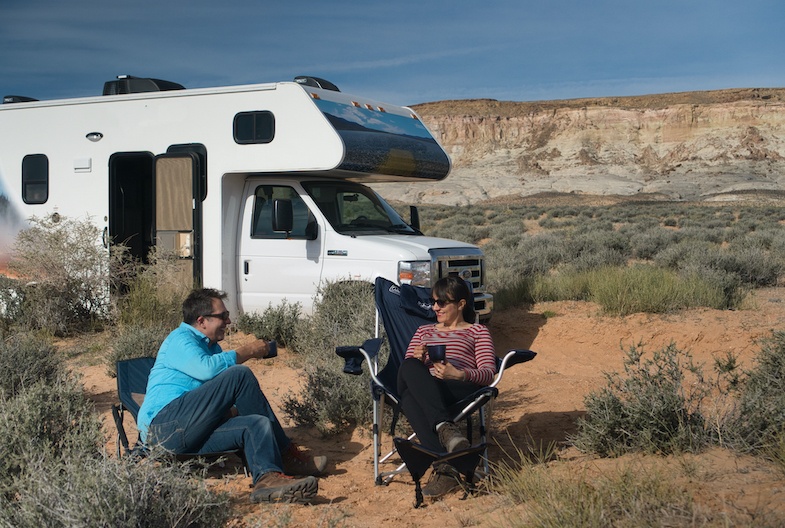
(468, 349)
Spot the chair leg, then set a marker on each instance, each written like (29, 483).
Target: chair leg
(376, 439)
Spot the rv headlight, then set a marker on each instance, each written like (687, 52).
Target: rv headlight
(415, 272)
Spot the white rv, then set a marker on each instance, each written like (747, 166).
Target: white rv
(258, 189)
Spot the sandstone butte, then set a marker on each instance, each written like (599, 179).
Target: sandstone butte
(705, 146)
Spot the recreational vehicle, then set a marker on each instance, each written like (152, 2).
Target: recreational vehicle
(259, 190)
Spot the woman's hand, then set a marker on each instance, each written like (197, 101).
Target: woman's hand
(447, 371)
(420, 352)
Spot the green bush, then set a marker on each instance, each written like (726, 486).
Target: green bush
(654, 407)
(26, 359)
(758, 423)
(47, 420)
(66, 274)
(279, 323)
(135, 341)
(344, 314)
(99, 491)
(628, 497)
(153, 293)
(10, 304)
(643, 288)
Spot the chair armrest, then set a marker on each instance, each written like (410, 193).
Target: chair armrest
(515, 356)
(354, 355)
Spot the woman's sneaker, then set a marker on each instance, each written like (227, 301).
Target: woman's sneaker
(277, 487)
(451, 437)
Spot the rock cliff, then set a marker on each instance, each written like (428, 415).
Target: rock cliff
(683, 146)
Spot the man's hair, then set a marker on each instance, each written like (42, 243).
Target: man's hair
(200, 302)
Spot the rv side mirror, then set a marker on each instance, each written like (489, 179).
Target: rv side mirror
(414, 215)
(283, 218)
(311, 228)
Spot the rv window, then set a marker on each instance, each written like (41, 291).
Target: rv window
(304, 222)
(254, 127)
(35, 179)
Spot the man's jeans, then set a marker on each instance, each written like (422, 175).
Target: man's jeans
(197, 422)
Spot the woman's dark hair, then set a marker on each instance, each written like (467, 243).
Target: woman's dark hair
(200, 302)
(454, 288)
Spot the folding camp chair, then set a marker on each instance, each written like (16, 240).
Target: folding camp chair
(401, 310)
(132, 377)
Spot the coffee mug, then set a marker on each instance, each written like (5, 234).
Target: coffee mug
(437, 353)
(273, 349)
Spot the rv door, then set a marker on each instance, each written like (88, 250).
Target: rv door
(178, 213)
(275, 262)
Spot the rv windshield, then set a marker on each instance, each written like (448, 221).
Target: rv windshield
(353, 209)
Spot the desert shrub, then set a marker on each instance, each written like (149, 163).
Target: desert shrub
(135, 341)
(757, 424)
(595, 240)
(153, 293)
(646, 244)
(26, 359)
(602, 257)
(630, 496)
(508, 238)
(99, 491)
(572, 286)
(653, 407)
(344, 314)
(66, 274)
(276, 322)
(515, 293)
(47, 420)
(10, 304)
(642, 288)
(755, 266)
(533, 256)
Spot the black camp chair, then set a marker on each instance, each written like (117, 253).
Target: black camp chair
(403, 309)
(132, 377)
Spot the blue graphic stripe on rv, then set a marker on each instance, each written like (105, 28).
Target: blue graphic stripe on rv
(384, 143)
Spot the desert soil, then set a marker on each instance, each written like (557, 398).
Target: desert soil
(539, 403)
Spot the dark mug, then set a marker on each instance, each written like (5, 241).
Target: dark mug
(272, 349)
(437, 353)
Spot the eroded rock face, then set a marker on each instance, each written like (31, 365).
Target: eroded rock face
(692, 146)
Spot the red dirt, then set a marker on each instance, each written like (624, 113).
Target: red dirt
(539, 403)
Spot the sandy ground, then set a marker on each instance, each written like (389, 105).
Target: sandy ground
(539, 404)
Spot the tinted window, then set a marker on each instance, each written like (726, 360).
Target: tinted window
(35, 179)
(304, 221)
(254, 127)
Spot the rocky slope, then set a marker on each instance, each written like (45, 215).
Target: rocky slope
(711, 145)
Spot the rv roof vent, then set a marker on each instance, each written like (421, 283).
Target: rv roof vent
(316, 82)
(17, 99)
(126, 84)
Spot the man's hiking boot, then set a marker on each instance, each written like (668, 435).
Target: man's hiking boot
(444, 479)
(277, 487)
(451, 437)
(297, 462)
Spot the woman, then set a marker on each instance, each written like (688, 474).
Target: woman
(428, 389)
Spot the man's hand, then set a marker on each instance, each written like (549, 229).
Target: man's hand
(258, 349)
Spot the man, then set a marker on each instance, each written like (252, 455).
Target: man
(200, 399)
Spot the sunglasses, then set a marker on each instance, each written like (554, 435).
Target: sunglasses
(222, 315)
(441, 303)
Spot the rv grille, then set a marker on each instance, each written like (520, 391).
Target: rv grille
(468, 267)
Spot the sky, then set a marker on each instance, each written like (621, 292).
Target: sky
(400, 52)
